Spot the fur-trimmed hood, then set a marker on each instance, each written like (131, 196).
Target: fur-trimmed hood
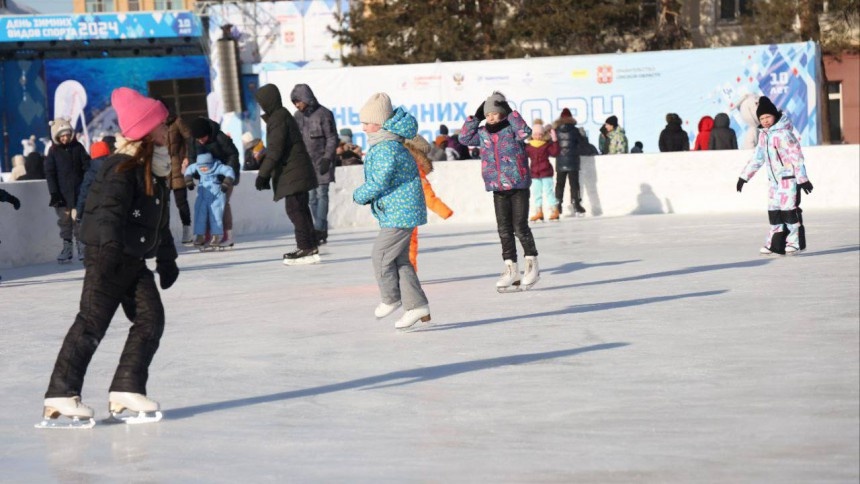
(419, 147)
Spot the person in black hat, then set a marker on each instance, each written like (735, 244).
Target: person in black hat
(779, 148)
(617, 138)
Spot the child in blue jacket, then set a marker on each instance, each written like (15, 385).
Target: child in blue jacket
(392, 188)
(216, 179)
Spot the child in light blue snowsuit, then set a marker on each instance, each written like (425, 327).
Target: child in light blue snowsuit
(215, 180)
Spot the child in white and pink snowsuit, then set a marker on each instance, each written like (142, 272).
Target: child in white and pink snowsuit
(778, 149)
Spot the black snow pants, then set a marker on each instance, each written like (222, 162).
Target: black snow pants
(575, 196)
(512, 218)
(299, 213)
(133, 287)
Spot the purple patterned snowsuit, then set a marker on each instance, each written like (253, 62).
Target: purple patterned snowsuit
(778, 148)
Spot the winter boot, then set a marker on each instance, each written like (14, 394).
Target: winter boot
(383, 310)
(322, 236)
(302, 256)
(510, 277)
(578, 208)
(409, 318)
(65, 255)
(553, 215)
(537, 217)
(187, 235)
(531, 274)
(67, 407)
(80, 246)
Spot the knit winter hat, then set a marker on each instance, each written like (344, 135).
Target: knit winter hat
(137, 114)
(443, 129)
(490, 103)
(376, 110)
(200, 128)
(565, 113)
(99, 149)
(58, 127)
(612, 120)
(766, 106)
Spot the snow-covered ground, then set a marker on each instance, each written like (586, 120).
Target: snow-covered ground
(658, 348)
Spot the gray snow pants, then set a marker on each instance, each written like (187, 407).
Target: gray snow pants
(394, 273)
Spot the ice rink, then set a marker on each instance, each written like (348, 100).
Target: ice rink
(655, 348)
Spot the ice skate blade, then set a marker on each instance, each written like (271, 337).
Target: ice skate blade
(133, 418)
(66, 423)
(516, 288)
(314, 259)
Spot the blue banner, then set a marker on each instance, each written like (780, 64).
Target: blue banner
(102, 26)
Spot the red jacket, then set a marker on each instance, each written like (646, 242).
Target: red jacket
(539, 158)
(706, 124)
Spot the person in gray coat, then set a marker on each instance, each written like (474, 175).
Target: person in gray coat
(319, 133)
(723, 137)
(288, 167)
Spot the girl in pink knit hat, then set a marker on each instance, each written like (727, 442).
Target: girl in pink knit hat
(126, 222)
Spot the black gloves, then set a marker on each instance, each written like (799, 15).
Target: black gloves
(189, 182)
(479, 114)
(740, 185)
(167, 273)
(505, 106)
(57, 201)
(806, 186)
(17, 203)
(224, 188)
(109, 260)
(220, 178)
(325, 166)
(263, 183)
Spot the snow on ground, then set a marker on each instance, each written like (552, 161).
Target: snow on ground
(657, 348)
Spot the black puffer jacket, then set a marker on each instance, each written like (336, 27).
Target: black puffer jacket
(287, 161)
(673, 138)
(723, 137)
(568, 145)
(118, 210)
(221, 147)
(65, 166)
(319, 131)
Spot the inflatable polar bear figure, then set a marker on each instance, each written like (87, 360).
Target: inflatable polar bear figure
(747, 107)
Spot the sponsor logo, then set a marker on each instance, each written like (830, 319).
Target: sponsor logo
(604, 74)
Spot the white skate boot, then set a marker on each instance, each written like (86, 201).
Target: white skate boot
(214, 243)
(510, 280)
(531, 274)
(141, 408)
(383, 310)
(79, 415)
(409, 318)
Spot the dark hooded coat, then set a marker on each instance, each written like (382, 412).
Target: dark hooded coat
(65, 166)
(568, 145)
(319, 131)
(723, 137)
(287, 162)
(221, 147)
(673, 138)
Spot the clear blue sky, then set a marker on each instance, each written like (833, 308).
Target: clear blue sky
(47, 6)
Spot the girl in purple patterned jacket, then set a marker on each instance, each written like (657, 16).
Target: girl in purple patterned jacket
(505, 168)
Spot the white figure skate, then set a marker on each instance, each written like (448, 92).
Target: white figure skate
(531, 274)
(140, 408)
(409, 318)
(510, 279)
(77, 415)
(383, 310)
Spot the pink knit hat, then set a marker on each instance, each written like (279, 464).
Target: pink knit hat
(138, 115)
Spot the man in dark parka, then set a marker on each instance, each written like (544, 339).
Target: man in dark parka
(287, 166)
(319, 132)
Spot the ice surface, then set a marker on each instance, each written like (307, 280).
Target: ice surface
(657, 348)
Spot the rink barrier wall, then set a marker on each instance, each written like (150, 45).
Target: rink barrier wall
(701, 182)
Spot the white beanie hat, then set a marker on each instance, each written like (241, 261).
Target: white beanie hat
(376, 110)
